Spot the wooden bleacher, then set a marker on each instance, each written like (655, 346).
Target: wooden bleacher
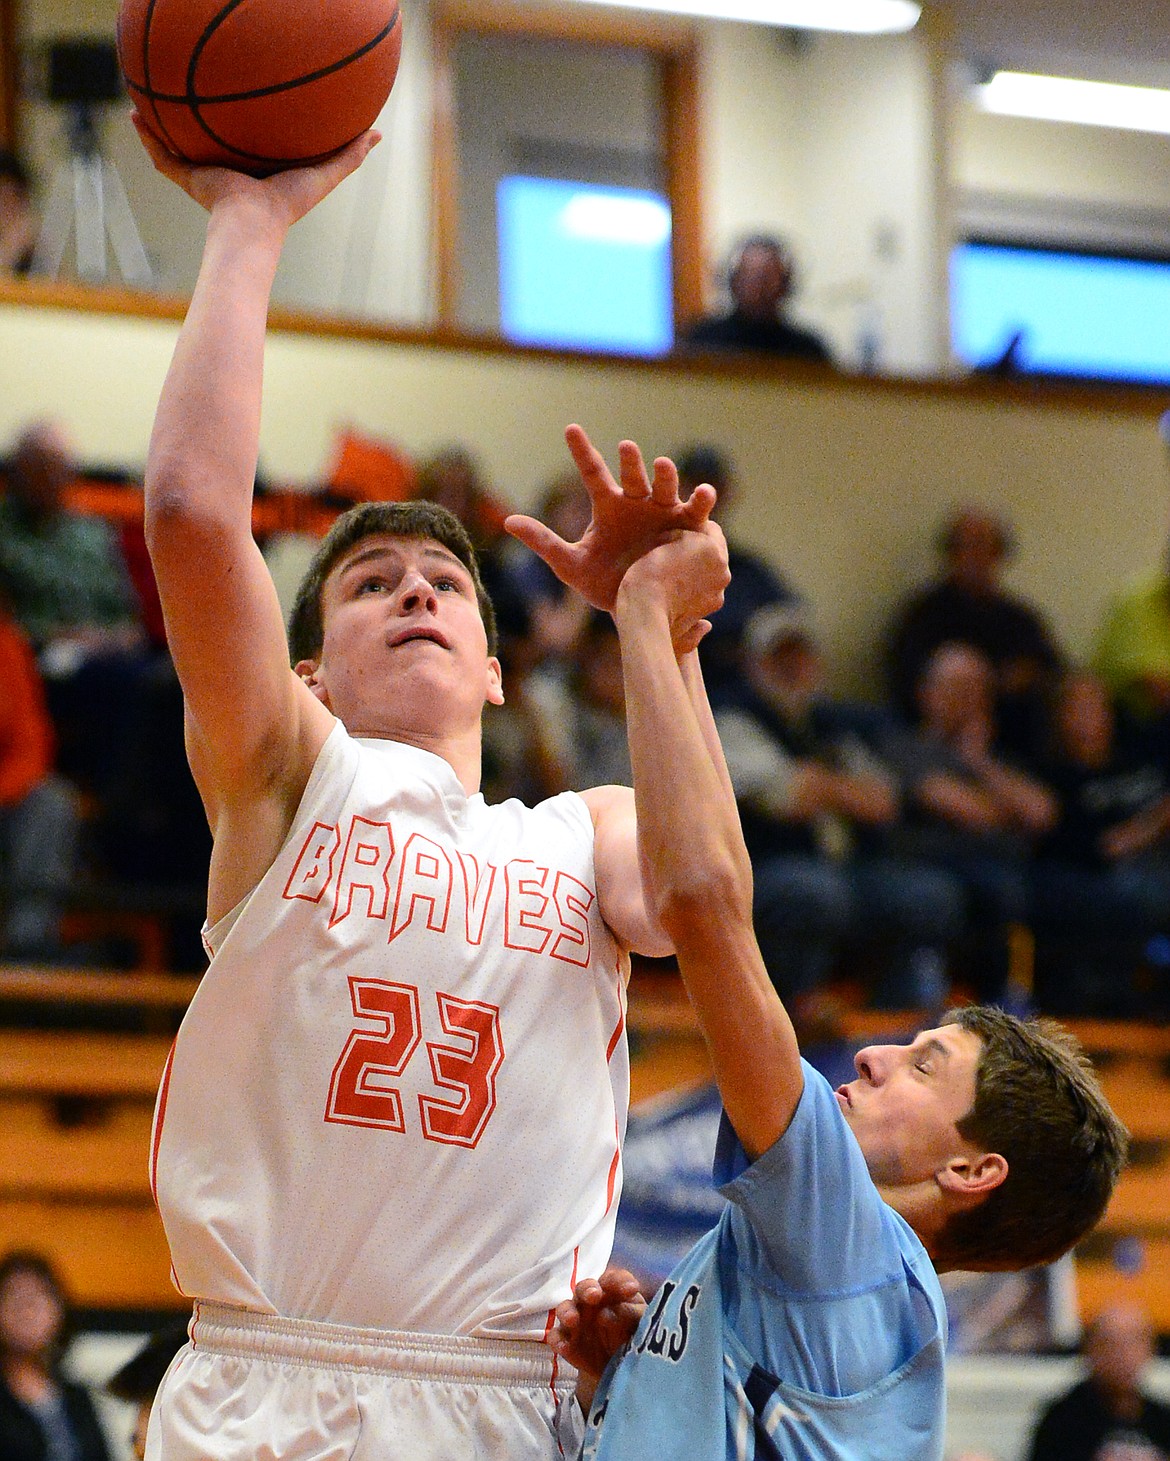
(75, 1121)
(76, 1108)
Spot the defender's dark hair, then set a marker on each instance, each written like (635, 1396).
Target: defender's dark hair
(417, 519)
(1039, 1105)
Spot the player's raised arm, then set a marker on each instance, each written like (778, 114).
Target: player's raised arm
(252, 724)
(631, 513)
(699, 876)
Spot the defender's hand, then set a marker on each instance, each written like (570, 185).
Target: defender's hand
(600, 1317)
(628, 520)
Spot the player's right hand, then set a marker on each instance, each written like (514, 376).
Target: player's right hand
(284, 196)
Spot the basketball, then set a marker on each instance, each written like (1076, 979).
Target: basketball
(258, 85)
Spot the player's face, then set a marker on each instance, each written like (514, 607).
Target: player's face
(905, 1104)
(404, 647)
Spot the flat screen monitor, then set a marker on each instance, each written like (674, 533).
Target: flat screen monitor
(1068, 312)
(584, 267)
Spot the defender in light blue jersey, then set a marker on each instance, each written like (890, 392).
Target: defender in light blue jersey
(809, 1324)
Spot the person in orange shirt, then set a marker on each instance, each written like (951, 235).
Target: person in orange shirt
(38, 811)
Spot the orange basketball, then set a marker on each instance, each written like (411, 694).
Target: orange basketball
(258, 85)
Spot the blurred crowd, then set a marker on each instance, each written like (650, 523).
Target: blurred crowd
(997, 820)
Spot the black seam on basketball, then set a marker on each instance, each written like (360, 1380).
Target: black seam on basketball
(194, 99)
(195, 102)
(162, 126)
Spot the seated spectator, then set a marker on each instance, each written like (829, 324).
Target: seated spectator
(69, 589)
(139, 1378)
(815, 801)
(558, 614)
(1101, 884)
(968, 605)
(18, 219)
(43, 1416)
(452, 479)
(754, 583)
(112, 692)
(63, 572)
(519, 759)
(761, 278)
(1133, 653)
(968, 811)
(1108, 1416)
(584, 714)
(38, 812)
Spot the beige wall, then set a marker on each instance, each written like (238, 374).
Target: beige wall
(842, 482)
(1103, 166)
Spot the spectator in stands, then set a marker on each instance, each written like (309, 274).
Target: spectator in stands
(584, 717)
(38, 812)
(969, 605)
(1133, 653)
(754, 583)
(968, 811)
(112, 693)
(815, 802)
(452, 478)
(43, 1416)
(761, 280)
(519, 759)
(139, 1378)
(1101, 885)
(63, 572)
(1108, 1416)
(18, 219)
(558, 614)
(69, 589)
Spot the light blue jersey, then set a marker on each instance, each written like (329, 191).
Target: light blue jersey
(808, 1325)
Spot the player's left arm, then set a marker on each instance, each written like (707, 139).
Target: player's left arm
(621, 873)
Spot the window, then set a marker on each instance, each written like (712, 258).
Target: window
(584, 267)
(1061, 311)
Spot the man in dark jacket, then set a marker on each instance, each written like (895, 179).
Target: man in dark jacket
(1108, 1417)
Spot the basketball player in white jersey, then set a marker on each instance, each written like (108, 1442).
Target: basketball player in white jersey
(388, 1138)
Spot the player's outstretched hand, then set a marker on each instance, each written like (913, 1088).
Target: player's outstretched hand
(628, 519)
(284, 196)
(600, 1317)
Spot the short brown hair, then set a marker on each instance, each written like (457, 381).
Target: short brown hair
(417, 519)
(1039, 1105)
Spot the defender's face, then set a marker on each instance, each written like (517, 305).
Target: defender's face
(907, 1100)
(404, 644)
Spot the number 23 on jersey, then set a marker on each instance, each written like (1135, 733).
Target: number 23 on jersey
(361, 1091)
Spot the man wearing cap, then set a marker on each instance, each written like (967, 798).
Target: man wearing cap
(755, 583)
(815, 801)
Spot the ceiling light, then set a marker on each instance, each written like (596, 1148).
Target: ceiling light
(860, 17)
(1060, 99)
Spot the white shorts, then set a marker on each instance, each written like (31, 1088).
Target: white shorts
(253, 1387)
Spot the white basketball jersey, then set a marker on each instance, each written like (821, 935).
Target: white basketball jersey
(398, 1097)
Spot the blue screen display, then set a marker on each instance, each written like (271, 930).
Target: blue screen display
(1092, 315)
(584, 267)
